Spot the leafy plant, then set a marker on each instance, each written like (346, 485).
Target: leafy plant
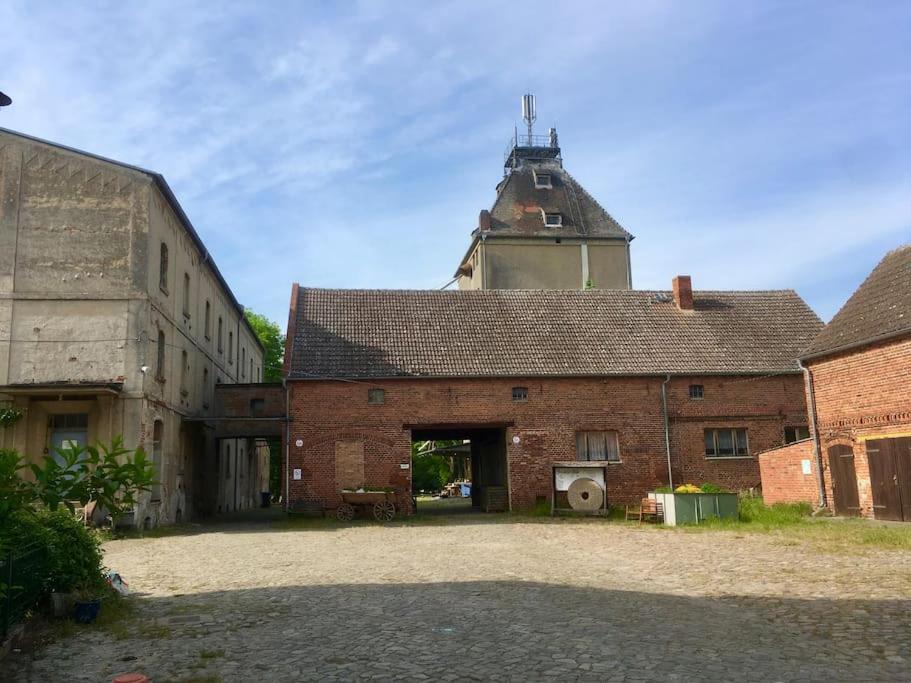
(711, 488)
(9, 416)
(688, 488)
(270, 336)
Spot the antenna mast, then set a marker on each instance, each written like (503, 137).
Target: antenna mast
(529, 113)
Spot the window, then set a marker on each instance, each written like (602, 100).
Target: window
(257, 406)
(231, 347)
(798, 433)
(159, 368)
(259, 374)
(697, 391)
(598, 446)
(243, 362)
(186, 295)
(163, 268)
(157, 446)
(251, 369)
(520, 393)
(542, 181)
(726, 443)
(221, 345)
(227, 461)
(184, 371)
(205, 387)
(207, 323)
(553, 220)
(376, 397)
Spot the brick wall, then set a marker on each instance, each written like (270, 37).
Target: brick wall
(783, 477)
(860, 395)
(323, 413)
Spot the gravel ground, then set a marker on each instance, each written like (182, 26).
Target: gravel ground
(506, 600)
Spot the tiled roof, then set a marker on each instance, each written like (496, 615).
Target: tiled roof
(480, 333)
(880, 308)
(517, 209)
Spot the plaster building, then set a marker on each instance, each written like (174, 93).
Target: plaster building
(544, 230)
(857, 383)
(683, 386)
(115, 320)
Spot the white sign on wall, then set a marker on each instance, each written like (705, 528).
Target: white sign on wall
(805, 466)
(299, 443)
(296, 474)
(404, 465)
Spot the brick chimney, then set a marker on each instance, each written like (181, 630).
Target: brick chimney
(683, 292)
(484, 221)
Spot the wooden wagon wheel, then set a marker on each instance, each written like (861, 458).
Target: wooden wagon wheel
(345, 512)
(384, 511)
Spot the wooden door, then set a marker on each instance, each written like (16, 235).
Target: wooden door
(885, 483)
(844, 480)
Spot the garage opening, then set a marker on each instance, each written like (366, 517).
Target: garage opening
(459, 469)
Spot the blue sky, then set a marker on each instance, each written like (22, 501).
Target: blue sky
(352, 144)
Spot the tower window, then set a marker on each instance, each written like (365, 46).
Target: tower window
(542, 181)
(520, 394)
(697, 391)
(553, 220)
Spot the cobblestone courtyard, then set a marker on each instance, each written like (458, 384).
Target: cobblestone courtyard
(504, 600)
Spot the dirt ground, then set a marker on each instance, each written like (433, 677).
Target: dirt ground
(476, 598)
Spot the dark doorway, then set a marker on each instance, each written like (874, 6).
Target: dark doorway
(478, 456)
(890, 477)
(844, 480)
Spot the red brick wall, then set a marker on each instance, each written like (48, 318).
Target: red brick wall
(783, 478)
(862, 395)
(322, 412)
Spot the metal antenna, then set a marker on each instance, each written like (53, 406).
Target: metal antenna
(529, 113)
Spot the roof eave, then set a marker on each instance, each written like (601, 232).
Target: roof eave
(858, 344)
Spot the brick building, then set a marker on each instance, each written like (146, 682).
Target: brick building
(534, 377)
(858, 369)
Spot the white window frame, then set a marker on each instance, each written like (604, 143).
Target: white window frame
(733, 431)
(541, 184)
(582, 433)
(545, 214)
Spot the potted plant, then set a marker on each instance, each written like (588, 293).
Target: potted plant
(88, 603)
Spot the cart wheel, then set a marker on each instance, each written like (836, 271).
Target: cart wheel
(345, 512)
(384, 512)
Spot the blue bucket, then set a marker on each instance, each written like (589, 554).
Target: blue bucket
(87, 612)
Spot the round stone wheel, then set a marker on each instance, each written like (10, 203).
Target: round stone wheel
(384, 511)
(345, 512)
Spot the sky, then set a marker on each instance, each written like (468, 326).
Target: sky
(352, 144)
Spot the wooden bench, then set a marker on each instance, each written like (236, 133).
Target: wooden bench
(648, 510)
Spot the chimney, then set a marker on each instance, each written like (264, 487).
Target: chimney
(683, 292)
(484, 221)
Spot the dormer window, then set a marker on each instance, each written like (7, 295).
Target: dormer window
(542, 181)
(553, 220)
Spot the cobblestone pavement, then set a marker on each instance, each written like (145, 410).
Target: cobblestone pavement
(574, 600)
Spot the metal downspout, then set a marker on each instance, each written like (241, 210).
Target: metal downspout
(287, 447)
(811, 409)
(667, 431)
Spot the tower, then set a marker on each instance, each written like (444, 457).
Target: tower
(544, 231)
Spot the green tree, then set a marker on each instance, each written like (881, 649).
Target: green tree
(273, 341)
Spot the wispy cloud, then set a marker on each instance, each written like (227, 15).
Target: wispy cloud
(354, 145)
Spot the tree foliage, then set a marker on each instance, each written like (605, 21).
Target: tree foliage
(273, 341)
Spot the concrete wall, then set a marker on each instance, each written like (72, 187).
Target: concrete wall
(516, 263)
(323, 413)
(80, 305)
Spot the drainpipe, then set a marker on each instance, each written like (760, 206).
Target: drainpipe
(287, 447)
(667, 431)
(811, 409)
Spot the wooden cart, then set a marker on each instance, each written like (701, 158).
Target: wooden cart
(381, 503)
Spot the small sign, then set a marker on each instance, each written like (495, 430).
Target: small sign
(299, 443)
(805, 466)
(297, 474)
(516, 440)
(404, 465)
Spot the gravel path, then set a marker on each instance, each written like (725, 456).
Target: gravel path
(576, 600)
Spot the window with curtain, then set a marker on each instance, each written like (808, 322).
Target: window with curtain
(726, 443)
(598, 446)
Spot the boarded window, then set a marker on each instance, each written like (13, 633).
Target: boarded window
(376, 397)
(163, 268)
(520, 394)
(797, 433)
(349, 464)
(726, 443)
(697, 391)
(598, 446)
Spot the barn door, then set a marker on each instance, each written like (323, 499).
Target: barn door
(887, 468)
(844, 480)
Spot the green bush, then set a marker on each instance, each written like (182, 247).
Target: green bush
(70, 557)
(430, 472)
(753, 510)
(711, 488)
